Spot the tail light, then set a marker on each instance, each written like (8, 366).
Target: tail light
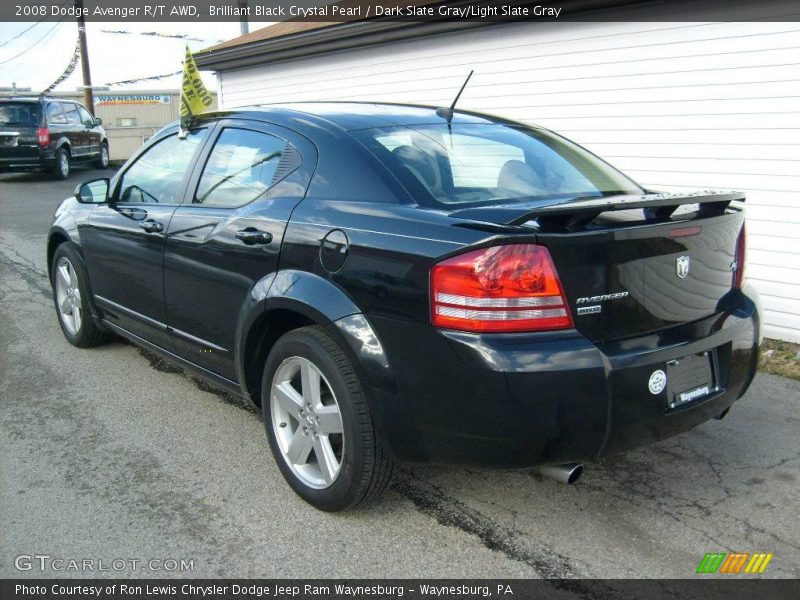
(739, 259)
(44, 136)
(499, 289)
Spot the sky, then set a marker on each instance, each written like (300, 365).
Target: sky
(45, 51)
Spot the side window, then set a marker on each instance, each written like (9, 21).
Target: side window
(54, 114)
(156, 176)
(242, 166)
(86, 118)
(71, 113)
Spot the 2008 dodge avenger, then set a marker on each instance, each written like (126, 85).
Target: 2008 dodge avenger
(393, 283)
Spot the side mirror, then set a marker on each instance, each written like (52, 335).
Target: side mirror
(93, 192)
(98, 121)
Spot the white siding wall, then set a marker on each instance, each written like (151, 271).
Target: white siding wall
(674, 105)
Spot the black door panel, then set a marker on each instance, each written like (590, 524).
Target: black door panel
(214, 254)
(208, 273)
(125, 264)
(124, 240)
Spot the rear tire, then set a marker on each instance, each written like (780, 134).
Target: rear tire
(71, 297)
(61, 168)
(102, 160)
(308, 382)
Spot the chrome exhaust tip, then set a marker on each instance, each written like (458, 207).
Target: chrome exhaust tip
(568, 473)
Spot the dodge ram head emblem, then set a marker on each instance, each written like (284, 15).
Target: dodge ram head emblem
(682, 266)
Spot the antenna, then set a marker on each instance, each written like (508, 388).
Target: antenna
(447, 113)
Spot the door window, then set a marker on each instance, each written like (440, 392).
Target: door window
(54, 114)
(71, 113)
(86, 118)
(156, 176)
(241, 167)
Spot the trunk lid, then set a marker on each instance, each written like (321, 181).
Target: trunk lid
(634, 264)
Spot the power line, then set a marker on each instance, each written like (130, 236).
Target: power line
(138, 79)
(24, 31)
(176, 36)
(20, 34)
(40, 40)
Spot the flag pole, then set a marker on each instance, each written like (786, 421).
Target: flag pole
(194, 95)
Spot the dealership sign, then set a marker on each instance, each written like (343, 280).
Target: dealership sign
(134, 99)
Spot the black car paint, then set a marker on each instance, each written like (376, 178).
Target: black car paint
(505, 400)
(79, 140)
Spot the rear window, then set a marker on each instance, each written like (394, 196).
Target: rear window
(23, 114)
(483, 164)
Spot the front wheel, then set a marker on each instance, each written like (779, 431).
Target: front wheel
(318, 423)
(71, 296)
(102, 159)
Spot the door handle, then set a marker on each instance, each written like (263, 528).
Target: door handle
(251, 236)
(151, 226)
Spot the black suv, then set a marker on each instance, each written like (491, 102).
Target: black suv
(390, 284)
(49, 133)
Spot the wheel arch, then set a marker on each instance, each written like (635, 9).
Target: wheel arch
(292, 299)
(57, 237)
(63, 142)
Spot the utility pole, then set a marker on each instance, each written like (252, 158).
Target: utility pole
(88, 96)
(244, 26)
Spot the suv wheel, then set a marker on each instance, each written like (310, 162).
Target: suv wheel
(61, 167)
(72, 299)
(102, 160)
(318, 423)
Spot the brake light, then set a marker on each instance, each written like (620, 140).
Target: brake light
(739, 259)
(44, 136)
(499, 289)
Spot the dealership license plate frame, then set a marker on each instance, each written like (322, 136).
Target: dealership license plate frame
(691, 378)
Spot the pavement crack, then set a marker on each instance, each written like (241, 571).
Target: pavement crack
(26, 269)
(451, 512)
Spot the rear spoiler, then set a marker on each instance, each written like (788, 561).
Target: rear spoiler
(575, 212)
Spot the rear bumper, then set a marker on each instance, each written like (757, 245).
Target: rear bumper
(27, 160)
(517, 400)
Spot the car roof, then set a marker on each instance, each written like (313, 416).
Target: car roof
(366, 115)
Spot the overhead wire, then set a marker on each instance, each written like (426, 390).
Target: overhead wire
(138, 79)
(26, 30)
(39, 41)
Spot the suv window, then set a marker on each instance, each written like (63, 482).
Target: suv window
(240, 168)
(156, 176)
(19, 113)
(71, 113)
(86, 118)
(55, 116)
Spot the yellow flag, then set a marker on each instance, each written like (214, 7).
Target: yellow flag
(194, 95)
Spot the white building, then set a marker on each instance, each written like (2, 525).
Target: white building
(675, 105)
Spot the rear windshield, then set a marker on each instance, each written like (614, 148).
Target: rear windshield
(482, 164)
(24, 114)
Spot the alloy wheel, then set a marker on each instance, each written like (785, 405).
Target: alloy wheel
(307, 422)
(103, 155)
(63, 164)
(68, 296)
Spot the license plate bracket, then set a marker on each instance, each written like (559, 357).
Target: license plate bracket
(690, 378)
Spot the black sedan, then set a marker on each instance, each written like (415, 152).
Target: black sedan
(390, 284)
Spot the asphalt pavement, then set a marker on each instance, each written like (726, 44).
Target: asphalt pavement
(111, 453)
